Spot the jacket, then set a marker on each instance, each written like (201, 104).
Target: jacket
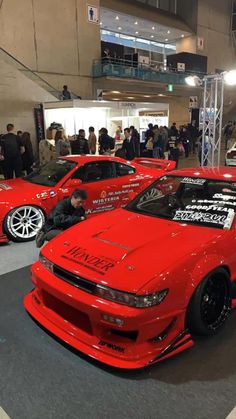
(63, 216)
(79, 146)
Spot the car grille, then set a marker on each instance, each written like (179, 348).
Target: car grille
(76, 317)
(75, 280)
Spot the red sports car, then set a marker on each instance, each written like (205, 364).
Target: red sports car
(109, 181)
(135, 287)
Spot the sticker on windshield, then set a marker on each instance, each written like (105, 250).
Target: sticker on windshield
(4, 186)
(193, 181)
(150, 196)
(200, 217)
(225, 197)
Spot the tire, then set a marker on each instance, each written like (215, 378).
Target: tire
(22, 223)
(210, 305)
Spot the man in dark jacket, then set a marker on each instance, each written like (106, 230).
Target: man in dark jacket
(65, 214)
(128, 145)
(11, 148)
(106, 143)
(80, 145)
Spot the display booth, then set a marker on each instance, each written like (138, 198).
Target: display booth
(80, 114)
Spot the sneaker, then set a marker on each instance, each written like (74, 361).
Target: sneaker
(40, 238)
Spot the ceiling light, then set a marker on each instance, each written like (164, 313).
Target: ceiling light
(166, 39)
(130, 97)
(115, 98)
(146, 96)
(115, 91)
(193, 81)
(153, 28)
(161, 95)
(182, 36)
(136, 23)
(117, 18)
(168, 31)
(230, 77)
(101, 23)
(152, 36)
(136, 33)
(119, 29)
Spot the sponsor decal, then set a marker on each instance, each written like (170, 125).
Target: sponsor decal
(150, 196)
(5, 187)
(200, 217)
(112, 346)
(224, 197)
(99, 209)
(193, 181)
(105, 200)
(83, 257)
(103, 194)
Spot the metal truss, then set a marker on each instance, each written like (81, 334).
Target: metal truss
(233, 22)
(213, 102)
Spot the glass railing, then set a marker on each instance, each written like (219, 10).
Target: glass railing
(153, 72)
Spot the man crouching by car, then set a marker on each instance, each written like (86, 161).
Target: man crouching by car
(65, 214)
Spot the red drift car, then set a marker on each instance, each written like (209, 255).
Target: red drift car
(109, 181)
(134, 287)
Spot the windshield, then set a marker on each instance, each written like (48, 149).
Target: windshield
(205, 202)
(51, 173)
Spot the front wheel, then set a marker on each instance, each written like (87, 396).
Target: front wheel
(22, 223)
(210, 305)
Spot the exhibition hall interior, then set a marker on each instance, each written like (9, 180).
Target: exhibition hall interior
(117, 209)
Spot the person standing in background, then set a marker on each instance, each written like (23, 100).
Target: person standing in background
(61, 144)
(92, 141)
(66, 95)
(11, 149)
(28, 155)
(80, 145)
(128, 145)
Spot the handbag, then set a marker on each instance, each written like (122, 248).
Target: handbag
(149, 145)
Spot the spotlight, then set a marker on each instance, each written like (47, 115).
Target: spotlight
(230, 77)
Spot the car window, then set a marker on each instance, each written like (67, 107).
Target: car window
(79, 173)
(93, 172)
(199, 201)
(124, 169)
(51, 173)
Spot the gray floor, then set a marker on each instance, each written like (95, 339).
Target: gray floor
(40, 378)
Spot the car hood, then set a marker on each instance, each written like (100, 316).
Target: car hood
(125, 250)
(12, 190)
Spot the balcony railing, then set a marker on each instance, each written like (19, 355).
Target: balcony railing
(153, 72)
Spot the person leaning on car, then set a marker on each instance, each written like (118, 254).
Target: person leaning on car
(65, 214)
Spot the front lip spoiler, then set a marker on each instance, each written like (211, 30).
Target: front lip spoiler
(175, 344)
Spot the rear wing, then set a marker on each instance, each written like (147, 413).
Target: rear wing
(160, 164)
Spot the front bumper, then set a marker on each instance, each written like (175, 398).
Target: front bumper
(76, 317)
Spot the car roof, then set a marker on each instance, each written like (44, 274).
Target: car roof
(86, 158)
(220, 173)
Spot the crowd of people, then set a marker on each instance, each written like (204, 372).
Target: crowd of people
(16, 153)
(17, 157)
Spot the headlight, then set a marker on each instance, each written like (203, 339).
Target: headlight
(46, 263)
(132, 300)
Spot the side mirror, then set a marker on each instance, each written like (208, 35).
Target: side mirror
(73, 183)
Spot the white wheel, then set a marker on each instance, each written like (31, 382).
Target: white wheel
(22, 223)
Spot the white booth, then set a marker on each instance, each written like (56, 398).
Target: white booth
(81, 114)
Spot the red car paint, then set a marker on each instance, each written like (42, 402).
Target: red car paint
(133, 253)
(103, 195)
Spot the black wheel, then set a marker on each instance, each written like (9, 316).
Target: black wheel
(22, 223)
(210, 305)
